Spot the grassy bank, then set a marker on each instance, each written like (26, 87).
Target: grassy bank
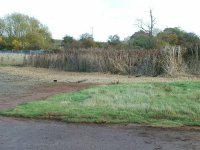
(170, 104)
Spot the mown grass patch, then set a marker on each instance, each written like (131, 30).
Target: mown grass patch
(163, 104)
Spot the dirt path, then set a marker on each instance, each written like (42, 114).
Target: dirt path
(15, 89)
(49, 135)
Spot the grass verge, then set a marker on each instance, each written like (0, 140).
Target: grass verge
(159, 104)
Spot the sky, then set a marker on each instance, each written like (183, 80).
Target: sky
(106, 17)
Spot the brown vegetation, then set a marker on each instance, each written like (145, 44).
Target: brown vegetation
(100, 60)
(171, 60)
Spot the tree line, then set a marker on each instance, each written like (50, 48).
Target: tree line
(139, 40)
(148, 37)
(19, 31)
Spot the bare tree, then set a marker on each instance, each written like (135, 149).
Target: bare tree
(147, 27)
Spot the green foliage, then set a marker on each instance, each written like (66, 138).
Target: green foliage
(2, 27)
(191, 40)
(172, 36)
(114, 40)
(87, 41)
(5, 43)
(1, 39)
(34, 40)
(24, 32)
(86, 36)
(17, 45)
(176, 36)
(2, 42)
(67, 41)
(169, 36)
(102, 45)
(142, 40)
(169, 104)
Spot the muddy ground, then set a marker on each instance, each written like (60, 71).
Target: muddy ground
(35, 84)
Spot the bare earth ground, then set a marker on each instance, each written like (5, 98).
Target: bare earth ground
(15, 89)
(25, 84)
(46, 75)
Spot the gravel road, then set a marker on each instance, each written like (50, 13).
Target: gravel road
(18, 134)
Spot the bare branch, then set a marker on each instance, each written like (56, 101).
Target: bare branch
(149, 27)
(140, 24)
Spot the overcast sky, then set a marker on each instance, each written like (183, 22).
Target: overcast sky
(108, 17)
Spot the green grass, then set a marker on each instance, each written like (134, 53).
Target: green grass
(160, 104)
